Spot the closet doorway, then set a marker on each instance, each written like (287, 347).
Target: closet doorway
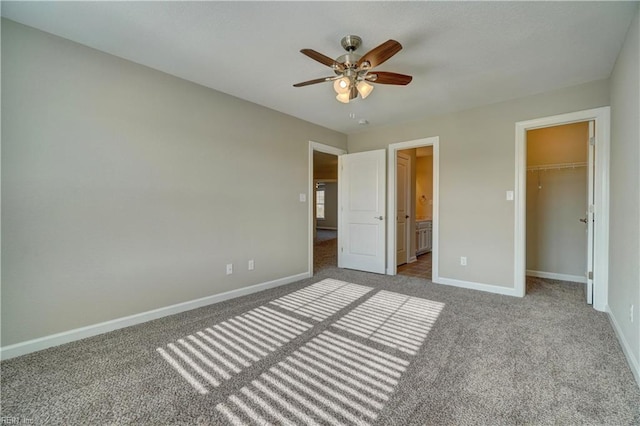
(559, 191)
(595, 211)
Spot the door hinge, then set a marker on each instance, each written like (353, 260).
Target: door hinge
(590, 275)
(592, 141)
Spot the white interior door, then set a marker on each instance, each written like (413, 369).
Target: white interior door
(362, 204)
(402, 209)
(590, 210)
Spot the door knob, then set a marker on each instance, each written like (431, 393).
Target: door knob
(406, 216)
(378, 217)
(583, 220)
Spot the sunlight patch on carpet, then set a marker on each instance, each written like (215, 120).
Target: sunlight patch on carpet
(207, 357)
(322, 299)
(330, 380)
(393, 319)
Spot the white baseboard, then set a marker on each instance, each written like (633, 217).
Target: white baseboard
(412, 259)
(554, 276)
(507, 291)
(626, 348)
(40, 343)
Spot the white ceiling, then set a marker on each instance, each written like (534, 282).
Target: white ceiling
(461, 54)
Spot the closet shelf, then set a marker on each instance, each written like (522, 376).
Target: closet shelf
(557, 166)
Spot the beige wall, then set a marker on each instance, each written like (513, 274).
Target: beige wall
(325, 166)
(424, 187)
(125, 189)
(624, 243)
(558, 144)
(477, 167)
(556, 199)
(556, 240)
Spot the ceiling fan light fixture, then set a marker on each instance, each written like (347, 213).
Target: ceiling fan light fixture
(343, 97)
(342, 85)
(353, 72)
(364, 89)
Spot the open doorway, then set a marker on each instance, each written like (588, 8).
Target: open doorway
(413, 202)
(323, 206)
(325, 201)
(597, 206)
(558, 233)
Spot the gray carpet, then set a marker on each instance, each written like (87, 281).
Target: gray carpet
(358, 349)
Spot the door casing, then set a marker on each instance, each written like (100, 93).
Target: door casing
(602, 119)
(327, 149)
(391, 197)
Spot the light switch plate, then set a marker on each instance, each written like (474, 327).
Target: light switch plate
(303, 198)
(509, 195)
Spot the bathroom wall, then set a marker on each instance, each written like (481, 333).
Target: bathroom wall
(424, 187)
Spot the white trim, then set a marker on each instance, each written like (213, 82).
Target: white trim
(554, 276)
(413, 259)
(507, 291)
(634, 364)
(40, 343)
(391, 194)
(327, 149)
(601, 229)
(327, 228)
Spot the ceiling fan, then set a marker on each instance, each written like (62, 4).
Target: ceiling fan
(354, 72)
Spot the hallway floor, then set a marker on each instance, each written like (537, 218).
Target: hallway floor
(419, 269)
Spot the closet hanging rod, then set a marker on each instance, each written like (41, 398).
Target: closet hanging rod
(557, 166)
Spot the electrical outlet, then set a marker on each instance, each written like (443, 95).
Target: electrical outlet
(463, 261)
(631, 313)
(229, 268)
(251, 265)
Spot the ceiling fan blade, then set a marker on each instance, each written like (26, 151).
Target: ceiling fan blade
(380, 54)
(323, 59)
(316, 81)
(382, 77)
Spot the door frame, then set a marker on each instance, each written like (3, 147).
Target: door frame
(602, 118)
(327, 149)
(391, 204)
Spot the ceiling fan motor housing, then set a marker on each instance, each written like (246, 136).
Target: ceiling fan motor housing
(349, 60)
(351, 42)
